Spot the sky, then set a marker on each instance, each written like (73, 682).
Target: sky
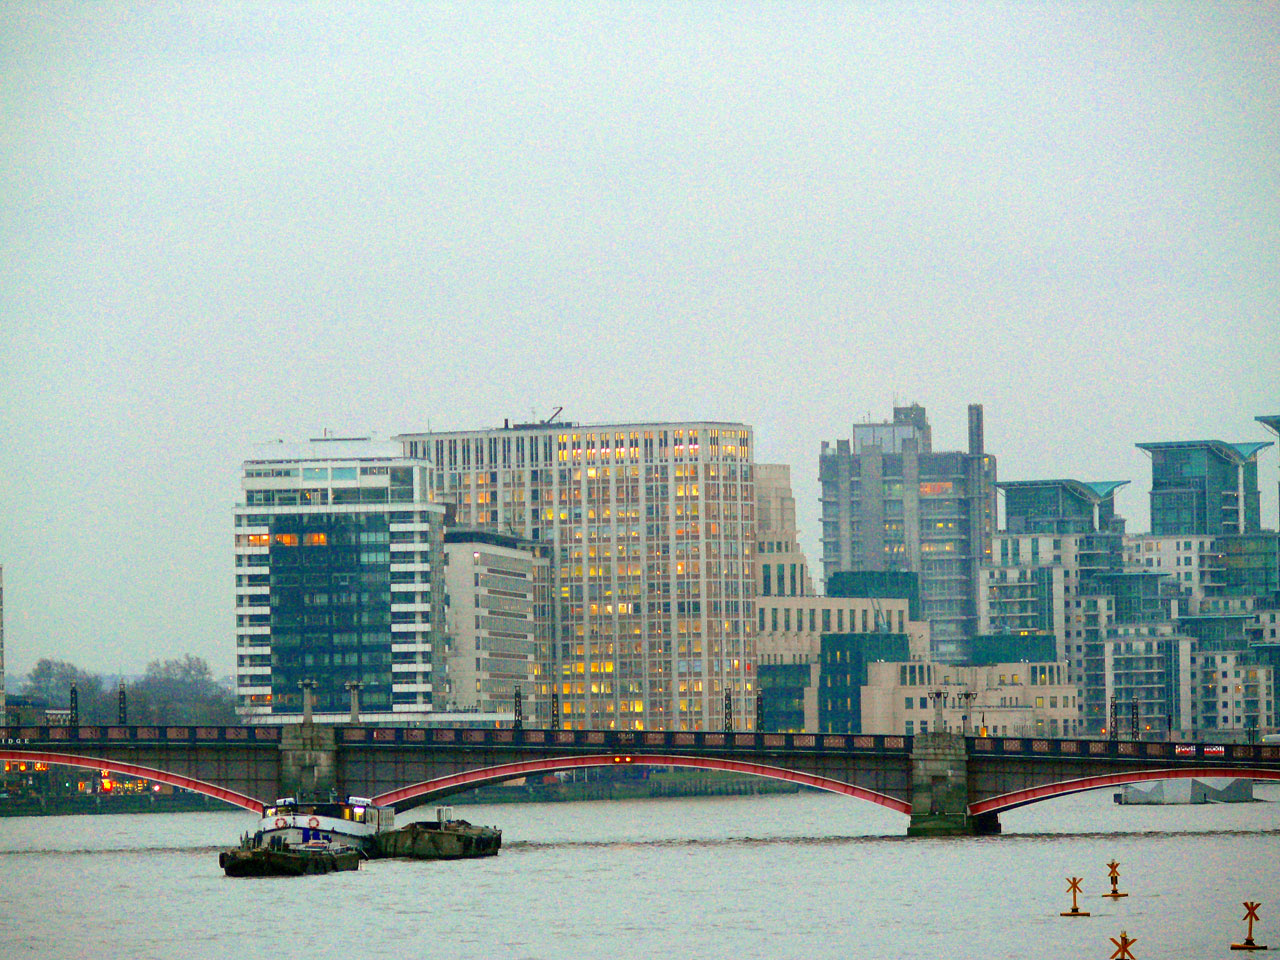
(223, 224)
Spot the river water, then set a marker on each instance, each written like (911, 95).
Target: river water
(784, 877)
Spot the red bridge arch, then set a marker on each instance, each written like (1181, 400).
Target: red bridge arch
(1020, 798)
(134, 770)
(510, 771)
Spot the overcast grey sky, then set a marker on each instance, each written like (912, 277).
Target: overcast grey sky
(229, 223)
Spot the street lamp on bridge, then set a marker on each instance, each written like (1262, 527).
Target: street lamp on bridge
(308, 688)
(353, 688)
(967, 696)
(939, 698)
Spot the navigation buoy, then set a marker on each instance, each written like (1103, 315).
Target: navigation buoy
(1073, 888)
(1115, 894)
(1250, 915)
(1123, 945)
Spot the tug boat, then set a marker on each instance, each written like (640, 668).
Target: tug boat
(441, 839)
(354, 822)
(295, 838)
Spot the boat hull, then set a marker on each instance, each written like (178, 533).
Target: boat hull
(267, 862)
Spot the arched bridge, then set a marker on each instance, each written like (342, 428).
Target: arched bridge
(945, 783)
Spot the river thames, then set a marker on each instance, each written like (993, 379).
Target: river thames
(784, 877)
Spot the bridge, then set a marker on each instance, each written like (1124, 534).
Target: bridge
(947, 784)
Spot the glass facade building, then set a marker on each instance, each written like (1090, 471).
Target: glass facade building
(338, 581)
(1204, 487)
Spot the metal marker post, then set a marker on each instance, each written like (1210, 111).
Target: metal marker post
(1250, 914)
(1073, 888)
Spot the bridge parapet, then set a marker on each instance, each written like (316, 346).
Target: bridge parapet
(153, 734)
(1164, 751)
(607, 741)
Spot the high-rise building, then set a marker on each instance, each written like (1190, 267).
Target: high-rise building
(338, 582)
(499, 620)
(889, 502)
(652, 535)
(1204, 487)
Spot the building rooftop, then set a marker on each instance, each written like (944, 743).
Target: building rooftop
(326, 448)
(1238, 453)
(510, 427)
(1095, 492)
(1271, 421)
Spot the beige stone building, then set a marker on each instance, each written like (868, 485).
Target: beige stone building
(651, 532)
(498, 624)
(1001, 699)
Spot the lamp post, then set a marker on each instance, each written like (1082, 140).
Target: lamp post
(353, 688)
(968, 697)
(939, 698)
(308, 688)
(518, 709)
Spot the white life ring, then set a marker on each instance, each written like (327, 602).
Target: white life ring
(313, 823)
(281, 823)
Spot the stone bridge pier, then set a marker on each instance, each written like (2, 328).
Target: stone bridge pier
(308, 761)
(940, 789)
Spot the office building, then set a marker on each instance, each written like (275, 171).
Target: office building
(498, 632)
(1204, 487)
(338, 553)
(889, 502)
(651, 528)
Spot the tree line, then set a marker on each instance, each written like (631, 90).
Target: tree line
(170, 692)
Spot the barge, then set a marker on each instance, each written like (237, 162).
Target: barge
(441, 839)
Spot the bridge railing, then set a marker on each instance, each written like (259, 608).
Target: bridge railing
(647, 741)
(619, 741)
(586, 741)
(72, 736)
(1146, 750)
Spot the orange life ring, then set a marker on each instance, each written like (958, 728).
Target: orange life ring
(313, 823)
(281, 823)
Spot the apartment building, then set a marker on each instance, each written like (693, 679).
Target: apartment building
(338, 582)
(652, 535)
(498, 635)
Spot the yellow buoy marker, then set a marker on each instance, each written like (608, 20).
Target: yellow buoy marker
(1122, 947)
(1073, 888)
(1250, 915)
(1115, 894)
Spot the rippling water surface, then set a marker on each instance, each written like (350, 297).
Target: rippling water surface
(790, 877)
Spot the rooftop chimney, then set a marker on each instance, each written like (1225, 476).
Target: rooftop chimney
(975, 430)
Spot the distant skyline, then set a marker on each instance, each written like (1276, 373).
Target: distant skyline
(226, 224)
